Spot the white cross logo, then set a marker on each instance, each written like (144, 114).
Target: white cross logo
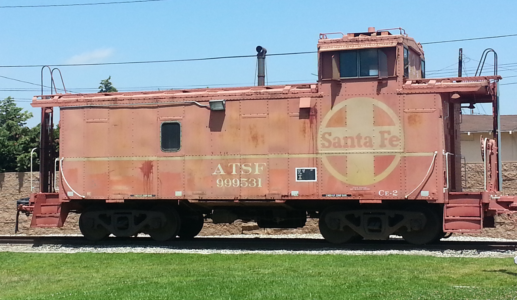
(365, 131)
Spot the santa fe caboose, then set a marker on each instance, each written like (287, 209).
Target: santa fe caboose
(371, 149)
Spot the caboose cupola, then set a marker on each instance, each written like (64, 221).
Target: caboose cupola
(376, 54)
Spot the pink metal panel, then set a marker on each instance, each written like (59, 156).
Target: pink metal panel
(172, 112)
(72, 133)
(120, 131)
(302, 128)
(279, 175)
(194, 131)
(97, 179)
(97, 133)
(199, 178)
(254, 129)
(278, 122)
(145, 132)
(225, 136)
(170, 178)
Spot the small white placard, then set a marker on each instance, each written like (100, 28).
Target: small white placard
(178, 193)
(306, 174)
(294, 193)
(70, 194)
(424, 193)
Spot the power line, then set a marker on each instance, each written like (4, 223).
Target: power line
(14, 79)
(159, 61)
(217, 57)
(27, 82)
(79, 4)
(470, 39)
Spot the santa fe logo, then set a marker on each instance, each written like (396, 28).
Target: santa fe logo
(361, 141)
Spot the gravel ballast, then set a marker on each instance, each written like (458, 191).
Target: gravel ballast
(284, 248)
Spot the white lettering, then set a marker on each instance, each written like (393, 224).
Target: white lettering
(219, 170)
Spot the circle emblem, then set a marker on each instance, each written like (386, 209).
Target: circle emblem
(361, 141)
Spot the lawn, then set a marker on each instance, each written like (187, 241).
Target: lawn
(253, 276)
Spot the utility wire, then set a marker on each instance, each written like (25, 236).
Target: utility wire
(470, 39)
(27, 82)
(220, 57)
(158, 61)
(79, 4)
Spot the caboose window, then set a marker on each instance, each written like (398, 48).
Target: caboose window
(368, 62)
(363, 63)
(406, 62)
(348, 63)
(171, 136)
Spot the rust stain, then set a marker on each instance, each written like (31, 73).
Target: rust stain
(256, 138)
(338, 119)
(414, 120)
(147, 171)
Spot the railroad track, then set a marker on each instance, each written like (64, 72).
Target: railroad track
(258, 244)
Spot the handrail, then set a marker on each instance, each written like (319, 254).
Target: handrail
(56, 161)
(481, 63)
(60, 75)
(324, 35)
(400, 29)
(32, 152)
(485, 160)
(51, 80)
(446, 188)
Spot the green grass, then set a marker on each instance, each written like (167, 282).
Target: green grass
(217, 276)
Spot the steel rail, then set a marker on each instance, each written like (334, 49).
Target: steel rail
(259, 244)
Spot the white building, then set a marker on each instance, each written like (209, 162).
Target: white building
(473, 127)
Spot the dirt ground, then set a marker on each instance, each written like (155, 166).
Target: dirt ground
(14, 186)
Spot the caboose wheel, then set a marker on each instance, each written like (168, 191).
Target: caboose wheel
(191, 225)
(167, 228)
(345, 235)
(90, 226)
(431, 231)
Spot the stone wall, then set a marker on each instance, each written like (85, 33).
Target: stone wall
(14, 186)
(474, 177)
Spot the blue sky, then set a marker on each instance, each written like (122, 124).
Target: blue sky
(173, 29)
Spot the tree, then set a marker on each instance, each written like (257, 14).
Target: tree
(16, 139)
(106, 86)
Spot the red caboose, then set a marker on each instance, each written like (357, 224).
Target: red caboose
(371, 149)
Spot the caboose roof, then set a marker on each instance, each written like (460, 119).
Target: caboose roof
(179, 96)
(361, 40)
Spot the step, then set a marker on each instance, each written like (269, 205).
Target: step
(463, 210)
(462, 218)
(462, 223)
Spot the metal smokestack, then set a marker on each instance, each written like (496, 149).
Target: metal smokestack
(261, 61)
(460, 63)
